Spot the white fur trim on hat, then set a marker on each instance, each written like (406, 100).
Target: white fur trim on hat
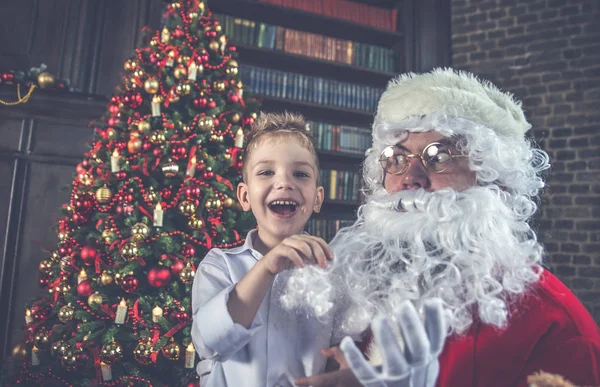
(455, 93)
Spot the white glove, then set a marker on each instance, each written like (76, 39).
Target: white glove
(418, 365)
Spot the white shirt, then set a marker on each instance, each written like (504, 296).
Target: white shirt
(278, 347)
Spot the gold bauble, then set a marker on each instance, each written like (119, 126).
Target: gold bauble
(195, 223)
(95, 298)
(45, 265)
(144, 126)
(233, 71)
(183, 89)
(217, 204)
(59, 348)
(106, 278)
(112, 134)
(235, 118)
(227, 156)
(45, 80)
(140, 231)
(186, 128)
(66, 313)
(109, 236)
(129, 250)
(20, 353)
(55, 256)
(85, 178)
(254, 115)
(139, 73)
(103, 195)
(130, 64)
(111, 353)
(233, 63)
(151, 85)
(42, 339)
(157, 137)
(143, 351)
(213, 46)
(69, 359)
(187, 207)
(205, 124)
(151, 196)
(218, 28)
(187, 274)
(171, 351)
(134, 145)
(228, 202)
(183, 60)
(175, 5)
(193, 15)
(180, 72)
(63, 235)
(219, 86)
(170, 169)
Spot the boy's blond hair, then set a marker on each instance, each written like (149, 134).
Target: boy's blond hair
(278, 125)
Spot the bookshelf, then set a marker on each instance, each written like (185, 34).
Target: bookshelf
(417, 43)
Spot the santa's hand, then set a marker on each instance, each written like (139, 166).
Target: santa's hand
(417, 365)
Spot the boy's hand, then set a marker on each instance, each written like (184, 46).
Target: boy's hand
(297, 250)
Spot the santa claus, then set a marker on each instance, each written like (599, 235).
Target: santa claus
(452, 183)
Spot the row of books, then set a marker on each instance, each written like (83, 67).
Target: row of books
(347, 10)
(341, 185)
(340, 138)
(247, 32)
(326, 228)
(317, 90)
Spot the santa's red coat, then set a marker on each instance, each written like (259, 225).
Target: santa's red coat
(549, 330)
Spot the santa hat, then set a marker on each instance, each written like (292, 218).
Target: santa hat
(456, 93)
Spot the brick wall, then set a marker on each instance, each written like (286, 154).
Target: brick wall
(547, 52)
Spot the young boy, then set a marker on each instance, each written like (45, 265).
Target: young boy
(240, 327)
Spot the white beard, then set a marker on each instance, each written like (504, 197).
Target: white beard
(473, 249)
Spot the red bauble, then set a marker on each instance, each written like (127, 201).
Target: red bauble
(146, 146)
(65, 250)
(178, 152)
(82, 358)
(84, 289)
(113, 109)
(79, 168)
(113, 121)
(180, 315)
(166, 194)
(176, 267)
(130, 283)
(121, 175)
(159, 276)
(193, 191)
(193, 383)
(157, 152)
(88, 255)
(8, 77)
(248, 121)
(208, 175)
(216, 122)
(40, 312)
(134, 100)
(121, 145)
(45, 279)
(188, 251)
(200, 103)
(115, 99)
(212, 104)
(234, 98)
(79, 219)
(178, 33)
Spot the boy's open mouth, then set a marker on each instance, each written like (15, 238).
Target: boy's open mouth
(284, 207)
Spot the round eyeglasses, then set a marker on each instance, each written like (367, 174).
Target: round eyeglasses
(436, 157)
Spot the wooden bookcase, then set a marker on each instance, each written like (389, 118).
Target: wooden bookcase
(416, 46)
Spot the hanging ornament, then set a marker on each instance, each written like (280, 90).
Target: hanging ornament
(59, 348)
(180, 72)
(106, 278)
(183, 89)
(84, 289)
(151, 85)
(187, 274)
(134, 145)
(74, 359)
(45, 266)
(142, 353)
(42, 339)
(130, 65)
(187, 207)
(171, 351)
(219, 86)
(46, 80)
(111, 353)
(235, 118)
(157, 137)
(109, 236)
(103, 195)
(140, 231)
(66, 313)
(188, 250)
(170, 169)
(88, 255)
(129, 251)
(95, 298)
(195, 223)
(213, 46)
(177, 266)
(180, 314)
(205, 124)
(228, 202)
(130, 283)
(159, 276)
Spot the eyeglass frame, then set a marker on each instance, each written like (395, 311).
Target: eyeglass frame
(411, 156)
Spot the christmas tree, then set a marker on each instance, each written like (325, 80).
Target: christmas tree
(153, 194)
